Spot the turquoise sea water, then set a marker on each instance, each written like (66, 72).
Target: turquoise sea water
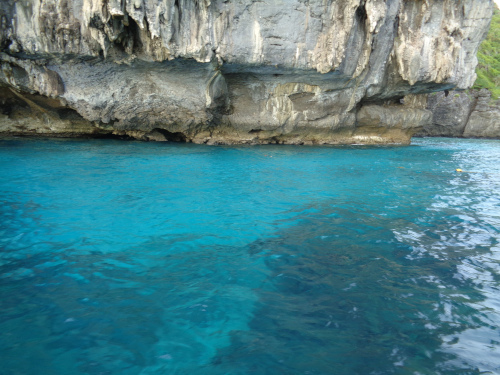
(152, 258)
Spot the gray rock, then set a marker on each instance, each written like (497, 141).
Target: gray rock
(484, 121)
(470, 114)
(450, 114)
(240, 71)
(393, 123)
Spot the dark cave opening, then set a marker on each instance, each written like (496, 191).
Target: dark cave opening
(172, 136)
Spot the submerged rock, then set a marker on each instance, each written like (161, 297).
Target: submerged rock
(348, 71)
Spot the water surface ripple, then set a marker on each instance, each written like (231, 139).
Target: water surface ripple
(148, 258)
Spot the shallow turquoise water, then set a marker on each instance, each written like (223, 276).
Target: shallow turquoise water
(149, 258)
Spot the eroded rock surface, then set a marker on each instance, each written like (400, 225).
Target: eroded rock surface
(471, 114)
(450, 113)
(484, 119)
(234, 71)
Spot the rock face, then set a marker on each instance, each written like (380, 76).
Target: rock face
(484, 119)
(450, 114)
(240, 71)
(464, 114)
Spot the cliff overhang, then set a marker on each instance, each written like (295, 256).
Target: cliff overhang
(348, 71)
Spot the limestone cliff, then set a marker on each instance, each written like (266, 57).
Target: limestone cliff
(242, 71)
(471, 114)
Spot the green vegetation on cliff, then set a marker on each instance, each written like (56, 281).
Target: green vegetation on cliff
(488, 69)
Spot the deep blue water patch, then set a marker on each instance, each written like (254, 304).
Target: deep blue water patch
(152, 258)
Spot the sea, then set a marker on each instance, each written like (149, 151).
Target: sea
(136, 258)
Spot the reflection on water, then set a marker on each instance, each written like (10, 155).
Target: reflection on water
(137, 258)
